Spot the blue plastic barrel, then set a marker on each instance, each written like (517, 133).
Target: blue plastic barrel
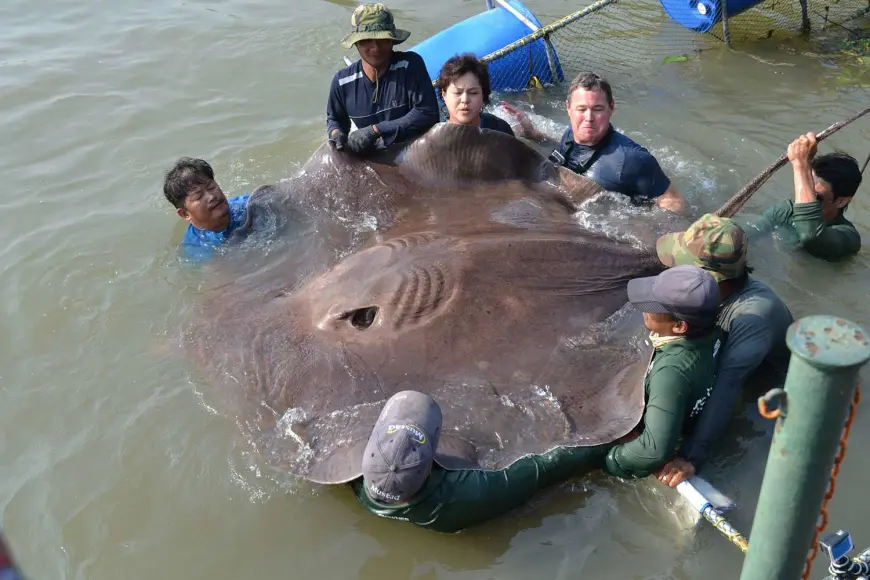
(485, 33)
(701, 15)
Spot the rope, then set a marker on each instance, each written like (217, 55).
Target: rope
(832, 485)
(719, 522)
(739, 199)
(545, 30)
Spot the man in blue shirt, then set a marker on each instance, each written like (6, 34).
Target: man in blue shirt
(387, 94)
(198, 199)
(591, 146)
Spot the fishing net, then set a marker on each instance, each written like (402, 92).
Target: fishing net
(620, 38)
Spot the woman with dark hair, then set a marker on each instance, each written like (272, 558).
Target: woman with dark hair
(464, 87)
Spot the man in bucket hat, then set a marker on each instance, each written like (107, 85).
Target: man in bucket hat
(388, 94)
(752, 317)
(402, 477)
(679, 309)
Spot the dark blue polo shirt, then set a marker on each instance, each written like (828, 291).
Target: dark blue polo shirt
(493, 123)
(616, 163)
(402, 103)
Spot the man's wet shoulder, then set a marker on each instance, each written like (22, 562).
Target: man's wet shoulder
(619, 141)
(755, 298)
(409, 55)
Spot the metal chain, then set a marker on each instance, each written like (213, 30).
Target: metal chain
(832, 484)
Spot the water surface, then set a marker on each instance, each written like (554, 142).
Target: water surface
(112, 465)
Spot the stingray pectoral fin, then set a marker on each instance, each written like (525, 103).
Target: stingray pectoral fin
(627, 386)
(257, 204)
(577, 187)
(455, 453)
(344, 464)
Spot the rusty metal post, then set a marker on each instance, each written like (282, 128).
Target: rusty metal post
(827, 353)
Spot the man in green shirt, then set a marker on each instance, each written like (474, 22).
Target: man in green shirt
(402, 478)
(402, 473)
(679, 308)
(823, 188)
(753, 321)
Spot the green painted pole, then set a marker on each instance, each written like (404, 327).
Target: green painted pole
(826, 354)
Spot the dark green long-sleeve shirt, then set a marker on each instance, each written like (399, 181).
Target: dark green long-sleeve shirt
(677, 384)
(454, 500)
(801, 224)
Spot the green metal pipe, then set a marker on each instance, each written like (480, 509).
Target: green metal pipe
(826, 354)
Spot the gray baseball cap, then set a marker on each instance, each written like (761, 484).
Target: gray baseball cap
(402, 446)
(685, 292)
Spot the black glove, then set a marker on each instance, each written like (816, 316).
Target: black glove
(362, 141)
(338, 139)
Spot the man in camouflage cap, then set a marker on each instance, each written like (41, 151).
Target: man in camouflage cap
(753, 318)
(387, 94)
(715, 244)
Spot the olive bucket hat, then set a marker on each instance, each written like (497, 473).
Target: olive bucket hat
(373, 21)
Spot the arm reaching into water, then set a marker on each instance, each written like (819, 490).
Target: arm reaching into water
(671, 200)
(663, 418)
(644, 178)
(454, 500)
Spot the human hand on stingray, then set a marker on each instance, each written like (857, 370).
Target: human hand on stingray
(363, 141)
(338, 139)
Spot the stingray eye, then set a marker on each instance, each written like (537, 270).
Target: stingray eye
(361, 318)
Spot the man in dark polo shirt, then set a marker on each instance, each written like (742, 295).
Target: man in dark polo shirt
(387, 94)
(591, 146)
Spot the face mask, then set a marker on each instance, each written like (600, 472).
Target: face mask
(659, 341)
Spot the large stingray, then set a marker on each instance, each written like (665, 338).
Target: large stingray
(472, 282)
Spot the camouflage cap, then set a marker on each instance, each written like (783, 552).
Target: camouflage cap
(713, 243)
(373, 21)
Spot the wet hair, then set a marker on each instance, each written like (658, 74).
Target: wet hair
(590, 81)
(183, 177)
(840, 171)
(461, 64)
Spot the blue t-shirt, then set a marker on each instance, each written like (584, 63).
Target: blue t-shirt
(199, 243)
(616, 163)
